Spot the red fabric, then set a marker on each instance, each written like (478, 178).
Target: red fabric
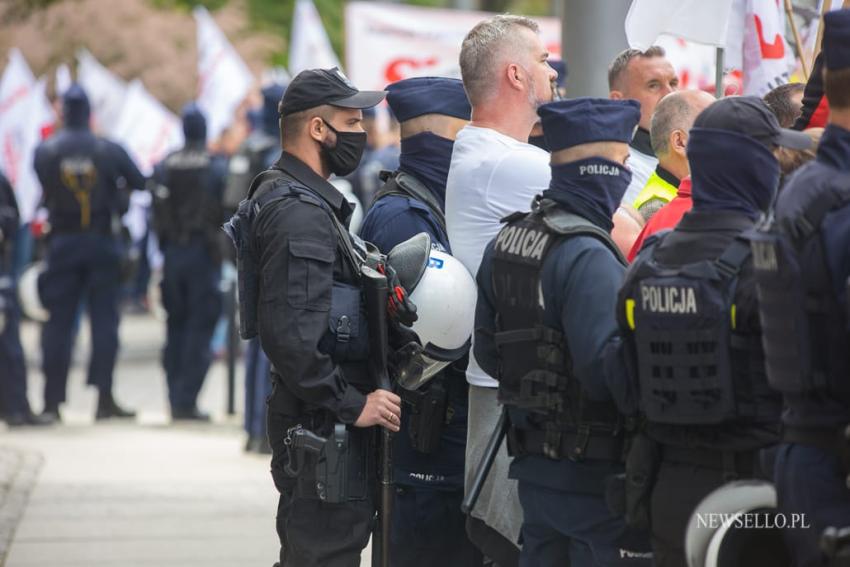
(820, 115)
(668, 217)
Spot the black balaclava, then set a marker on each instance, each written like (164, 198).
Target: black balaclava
(75, 108)
(194, 124)
(427, 157)
(591, 188)
(731, 172)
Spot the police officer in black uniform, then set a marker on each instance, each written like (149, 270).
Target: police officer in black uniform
(14, 407)
(187, 190)
(688, 312)
(305, 302)
(86, 181)
(802, 269)
(428, 526)
(547, 288)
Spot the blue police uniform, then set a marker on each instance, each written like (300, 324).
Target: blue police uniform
(689, 316)
(803, 267)
(14, 407)
(547, 289)
(256, 154)
(428, 526)
(86, 181)
(188, 190)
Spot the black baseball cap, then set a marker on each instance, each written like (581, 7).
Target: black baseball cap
(750, 115)
(315, 87)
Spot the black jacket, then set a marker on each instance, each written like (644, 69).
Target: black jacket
(300, 259)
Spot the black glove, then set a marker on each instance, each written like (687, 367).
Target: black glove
(399, 307)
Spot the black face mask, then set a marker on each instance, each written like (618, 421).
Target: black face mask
(345, 156)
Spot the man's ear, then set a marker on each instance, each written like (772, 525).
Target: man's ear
(316, 128)
(513, 74)
(615, 95)
(678, 141)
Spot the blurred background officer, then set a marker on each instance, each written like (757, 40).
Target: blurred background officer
(86, 181)
(14, 407)
(547, 288)
(428, 453)
(257, 153)
(671, 122)
(307, 291)
(688, 309)
(188, 190)
(802, 267)
(647, 77)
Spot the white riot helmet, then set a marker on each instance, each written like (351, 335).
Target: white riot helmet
(28, 295)
(736, 526)
(444, 294)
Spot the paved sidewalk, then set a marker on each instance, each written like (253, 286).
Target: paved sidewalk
(142, 493)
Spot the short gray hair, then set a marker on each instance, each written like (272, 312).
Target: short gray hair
(481, 48)
(673, 112)
(622, 60)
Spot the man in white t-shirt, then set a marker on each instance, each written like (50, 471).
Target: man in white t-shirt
(495, 172)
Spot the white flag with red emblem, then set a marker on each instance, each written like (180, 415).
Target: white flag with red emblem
(25, 113)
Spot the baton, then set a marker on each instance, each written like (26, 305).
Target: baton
(486, 463)
(377, 294)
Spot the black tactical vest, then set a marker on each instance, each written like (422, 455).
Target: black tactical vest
(804, 328)
(405, 185)
(535, 371)
(694, 367)
(347, 337)
(257, 153)
(184, 205)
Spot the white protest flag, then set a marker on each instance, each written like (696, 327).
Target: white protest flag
(767, 59)
(146, 129)
(63, 79)
(309, 47)
(106, 92)
(694, 20)
(223, 78)
(24, 113)
(388, 42)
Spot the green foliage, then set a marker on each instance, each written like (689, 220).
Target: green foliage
(189, 4)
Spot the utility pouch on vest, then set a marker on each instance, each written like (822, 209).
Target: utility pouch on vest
(347, 339)
(427, 416)
(239, 229)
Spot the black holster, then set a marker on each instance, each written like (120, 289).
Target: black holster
(629, 494)
(335, 469)
(428, 416)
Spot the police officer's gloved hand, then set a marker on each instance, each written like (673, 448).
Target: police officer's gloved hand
(399, 307)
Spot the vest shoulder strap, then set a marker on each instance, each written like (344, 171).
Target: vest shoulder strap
(565, 223)
(405, 185)
(280, 191)
(729, 263)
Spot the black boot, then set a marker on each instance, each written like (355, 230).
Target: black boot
(189, 414)
(50, 414)
(27, 418)
(108, 409)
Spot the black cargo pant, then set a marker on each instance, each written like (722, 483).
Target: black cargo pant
(314, 533)
(679, 488)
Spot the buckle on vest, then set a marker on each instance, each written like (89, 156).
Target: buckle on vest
(580, 448)
(343, 329)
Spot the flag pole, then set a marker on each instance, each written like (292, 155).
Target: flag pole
(718, 76)
(798, 47)
(827, 6)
